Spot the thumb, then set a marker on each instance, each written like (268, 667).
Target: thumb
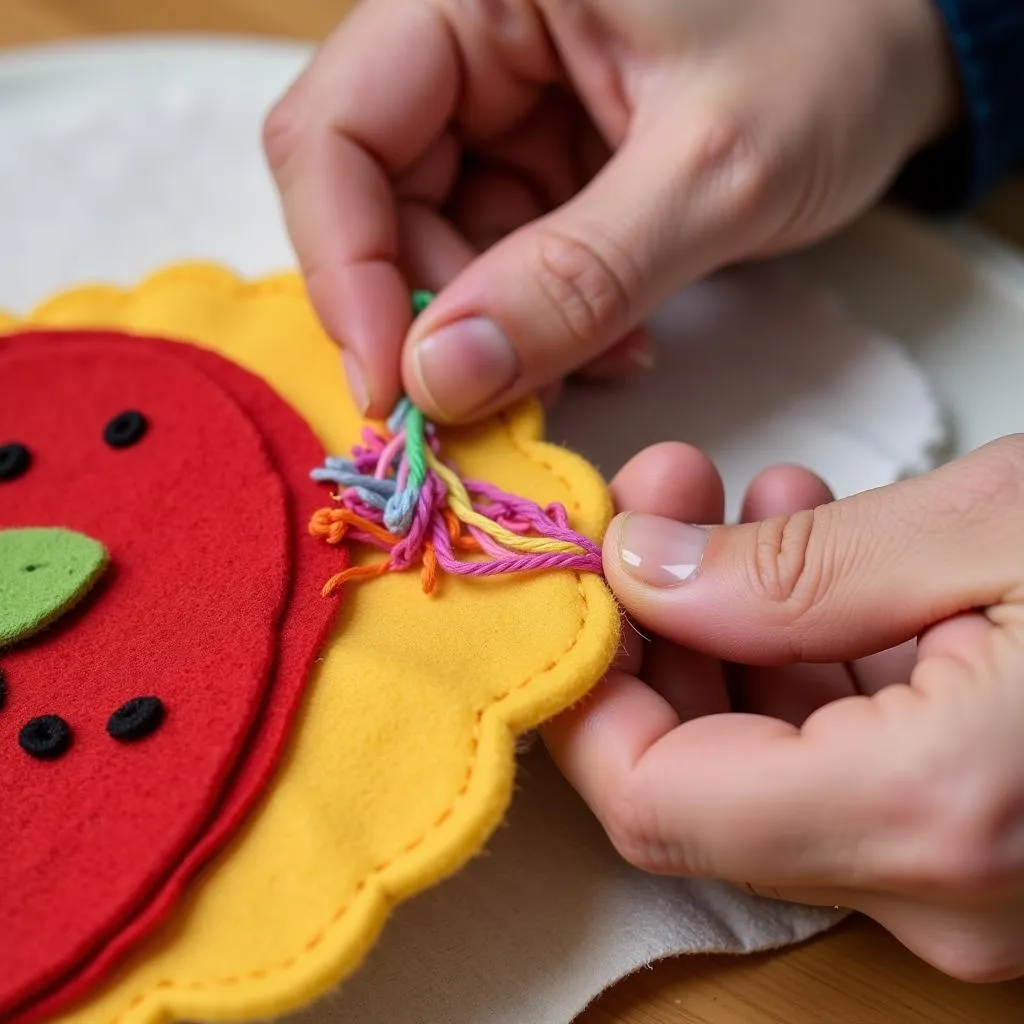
(557, 293)
(837, 582)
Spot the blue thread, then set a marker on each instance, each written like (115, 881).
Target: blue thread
(371, 498)
(397, 418)
(347, 478)
(400, 510)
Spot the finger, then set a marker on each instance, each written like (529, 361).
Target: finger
(962, 942)
(628, 715)
(633, 354)
(890, 667)
(680, 482)
(561, 291)
(492, 203)
(783, 490)
(961, 638)
(748, 798)
(379, 94)
(431, 178)
(671, 479)
(791, 692)
(674, 480)
(836, 583)
(728, 796)
(333, 143)
(431, 251)
(692, 683)
(544, 149)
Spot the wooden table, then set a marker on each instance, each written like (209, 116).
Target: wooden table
(854, 975)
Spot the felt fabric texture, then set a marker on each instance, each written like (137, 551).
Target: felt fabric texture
(553, 944)
(303, 629)
(43, 573)
(400, 764)
(115, 819)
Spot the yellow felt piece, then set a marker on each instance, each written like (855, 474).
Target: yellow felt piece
(401, 763)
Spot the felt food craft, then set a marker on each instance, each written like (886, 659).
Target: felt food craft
(262, 665)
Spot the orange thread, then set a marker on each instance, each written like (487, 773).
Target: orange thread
(374, 529)
(428, 574)
(460, 541)
(324, 523)
(357, 572)
(333, 524)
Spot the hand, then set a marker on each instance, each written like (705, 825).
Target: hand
(836, 712)
(556, 169)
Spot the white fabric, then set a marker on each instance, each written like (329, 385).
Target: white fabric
(118, 160)
(756, 367)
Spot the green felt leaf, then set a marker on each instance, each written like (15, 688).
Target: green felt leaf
(43, 573)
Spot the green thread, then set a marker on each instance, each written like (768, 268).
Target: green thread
(415, 425)
(416, 449)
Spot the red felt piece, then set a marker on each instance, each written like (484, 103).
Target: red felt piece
(295, 451)
(199, 527)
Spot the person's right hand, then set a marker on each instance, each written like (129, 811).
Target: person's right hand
(830, 708)
(464, 147)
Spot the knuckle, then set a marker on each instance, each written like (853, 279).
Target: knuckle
(629, 822)
(626, 825)
(279, 131)
(794, 563)
(727, 153)
(586, 284)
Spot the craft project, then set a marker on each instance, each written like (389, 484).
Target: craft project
(217, 777)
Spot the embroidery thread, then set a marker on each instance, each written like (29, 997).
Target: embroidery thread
(396, 493)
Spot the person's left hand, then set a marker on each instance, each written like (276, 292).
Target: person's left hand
(854, 765)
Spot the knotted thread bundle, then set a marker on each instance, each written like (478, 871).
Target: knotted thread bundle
(396, 493)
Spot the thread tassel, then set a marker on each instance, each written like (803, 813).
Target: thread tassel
(395, 493)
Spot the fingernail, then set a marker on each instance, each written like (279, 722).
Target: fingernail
(660, 552)
(465, 365)
(356, 381)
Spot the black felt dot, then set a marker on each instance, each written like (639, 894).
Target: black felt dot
(136, 719)
(14, 460)
(125, 429)
(45, 737)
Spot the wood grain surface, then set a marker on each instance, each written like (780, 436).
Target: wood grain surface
(854, 975)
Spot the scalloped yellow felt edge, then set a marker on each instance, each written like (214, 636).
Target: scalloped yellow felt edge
(401, 762)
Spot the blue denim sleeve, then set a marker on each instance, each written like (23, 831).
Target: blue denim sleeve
(987, 41)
